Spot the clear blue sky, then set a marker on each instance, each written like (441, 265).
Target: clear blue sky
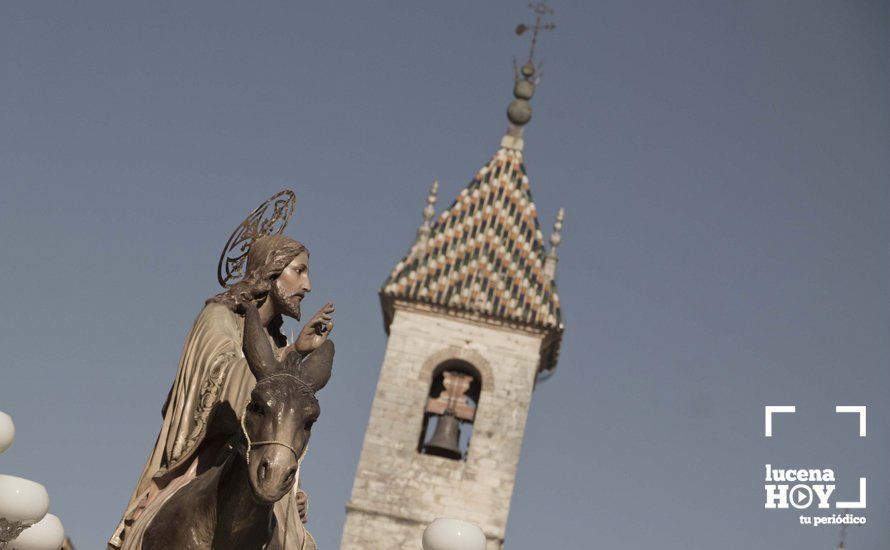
(725, 171)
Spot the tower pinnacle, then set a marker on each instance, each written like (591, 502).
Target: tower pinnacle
(555, 238)
(423, 232)
(519, 112)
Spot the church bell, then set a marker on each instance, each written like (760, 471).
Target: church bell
(446, 439)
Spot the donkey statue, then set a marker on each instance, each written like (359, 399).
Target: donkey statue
(230, 506)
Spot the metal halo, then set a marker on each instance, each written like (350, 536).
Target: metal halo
(269, 218)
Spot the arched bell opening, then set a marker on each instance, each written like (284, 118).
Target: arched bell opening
(450, 410)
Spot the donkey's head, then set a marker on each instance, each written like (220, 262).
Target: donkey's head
(281, 409)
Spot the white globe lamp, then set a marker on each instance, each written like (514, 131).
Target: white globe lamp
(22, 504)
(46, 534)
(7, 431)
(453, 534)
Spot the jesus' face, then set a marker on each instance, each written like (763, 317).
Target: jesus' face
(291, 286)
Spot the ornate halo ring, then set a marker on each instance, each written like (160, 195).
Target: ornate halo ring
(269, 218)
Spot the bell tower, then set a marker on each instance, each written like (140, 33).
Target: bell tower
(473, 319)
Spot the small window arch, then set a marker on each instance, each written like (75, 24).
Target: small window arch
(450, 410)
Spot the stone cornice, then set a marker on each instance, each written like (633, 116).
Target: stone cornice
(552, 337)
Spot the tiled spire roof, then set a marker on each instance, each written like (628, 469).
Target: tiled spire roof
(485, 254)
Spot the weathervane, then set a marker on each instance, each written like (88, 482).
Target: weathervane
(541, 9)
(519, 112)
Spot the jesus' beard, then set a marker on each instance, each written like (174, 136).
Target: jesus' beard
(285, 305)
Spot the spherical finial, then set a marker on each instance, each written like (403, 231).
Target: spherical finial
(523, 89)
(519, 112)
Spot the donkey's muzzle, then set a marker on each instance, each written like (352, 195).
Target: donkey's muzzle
(275, 474)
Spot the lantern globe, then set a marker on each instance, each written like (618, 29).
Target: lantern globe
(7, 431)
(46, 534)
(453, 534)
(22, 504)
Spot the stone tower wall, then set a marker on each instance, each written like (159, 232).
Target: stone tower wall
(398, 491)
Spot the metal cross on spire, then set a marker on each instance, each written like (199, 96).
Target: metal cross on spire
(541, 10)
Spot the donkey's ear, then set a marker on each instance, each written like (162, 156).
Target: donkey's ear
(256, 346)
(315, 370)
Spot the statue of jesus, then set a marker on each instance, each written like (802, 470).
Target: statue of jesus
(213, 383)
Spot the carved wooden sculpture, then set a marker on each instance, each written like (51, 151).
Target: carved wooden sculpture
(230, 505)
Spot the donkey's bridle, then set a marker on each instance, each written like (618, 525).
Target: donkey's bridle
(251, 444)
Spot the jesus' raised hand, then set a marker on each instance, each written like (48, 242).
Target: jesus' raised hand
(316, 331)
